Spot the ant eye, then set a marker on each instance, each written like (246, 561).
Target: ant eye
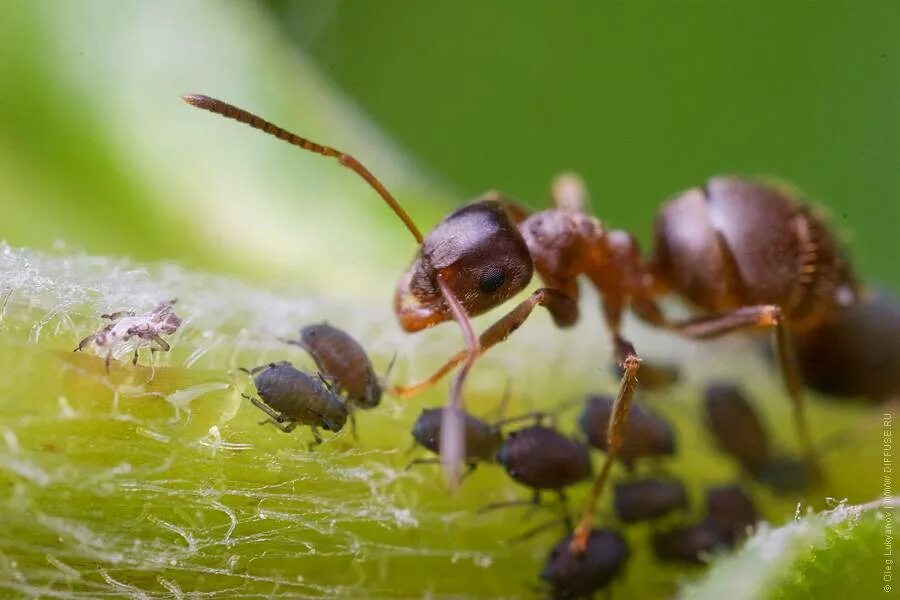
(491, 280)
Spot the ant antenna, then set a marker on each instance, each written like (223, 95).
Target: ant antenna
(232, 112)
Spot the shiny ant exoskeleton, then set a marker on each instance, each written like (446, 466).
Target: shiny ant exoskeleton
(127, 328)
(745, 255)
(730, 513)
(341, 358)
(648, 435)
(648, 499)
(580, 575)
(291, 397)
(739, 432)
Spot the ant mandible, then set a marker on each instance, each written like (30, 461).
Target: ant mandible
(745, 254)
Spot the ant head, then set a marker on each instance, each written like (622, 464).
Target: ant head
(481, 256)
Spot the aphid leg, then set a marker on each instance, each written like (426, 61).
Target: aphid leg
(274, 414)
(453, 439)
(331, 382)
(615, 435)
(562, 307)
(106, 362)
(422, 461)
(761, 317)
(317, 439)
(162, 344)
(352, 414)
(116, 316)
(530, 533)
(534, 501)
(564, 503)
(537, 415)
(134, 358)
(84, 343)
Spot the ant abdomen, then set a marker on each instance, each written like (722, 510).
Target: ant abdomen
(736, 243)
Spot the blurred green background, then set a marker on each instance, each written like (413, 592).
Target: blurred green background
(642, 98)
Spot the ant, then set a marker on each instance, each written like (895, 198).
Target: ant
(291, 397)
(572, 575)
(125, 325)
(748, 256)
(740, 433)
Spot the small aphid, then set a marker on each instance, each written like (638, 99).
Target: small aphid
(690, 544)
(736, 426)
(578, 576)
(342, 358)
(648, 499)
(483, 440)
(740, 433)
(648, 435)
(730, 510)
(291, 397)
(129, 331)
(542, 458)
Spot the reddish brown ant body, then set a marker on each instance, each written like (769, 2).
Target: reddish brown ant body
(745, 255)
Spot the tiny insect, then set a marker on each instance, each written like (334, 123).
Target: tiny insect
(581, 575)
(129, 331)
(543, 459)
(648, 499)
(290, 397)
(730, 513)
(740, 433)
(647, 435)
(483, 439)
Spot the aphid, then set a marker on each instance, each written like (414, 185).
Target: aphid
(648, 499)
(342, 358)
(736, 426)
(482, 439)
(748, 256)
(740, 433)
(542, 458)
(857, 353)
(580, 575)
(291, 397)
(648, 435)
(129, 331)
(730, 512)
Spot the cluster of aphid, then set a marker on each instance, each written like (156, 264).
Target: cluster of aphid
(745, 255)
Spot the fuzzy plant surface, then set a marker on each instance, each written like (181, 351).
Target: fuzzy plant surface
(157, 481)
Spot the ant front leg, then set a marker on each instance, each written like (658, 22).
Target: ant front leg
(761, 317)
(562, 307)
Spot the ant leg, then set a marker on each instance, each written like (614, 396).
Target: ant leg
(615, 435)
(761, 317)
(562, 307)
(453, 439)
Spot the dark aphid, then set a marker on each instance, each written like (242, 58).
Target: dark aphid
(127, 330)
(730, 510)
(736, 426)
(291, 397)
(581, 575)
(648, 435)
(785, 475)
(544, 459)
(857, 353)
(339, 356)
(691, 543)
(482, 439)
(648, 499)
